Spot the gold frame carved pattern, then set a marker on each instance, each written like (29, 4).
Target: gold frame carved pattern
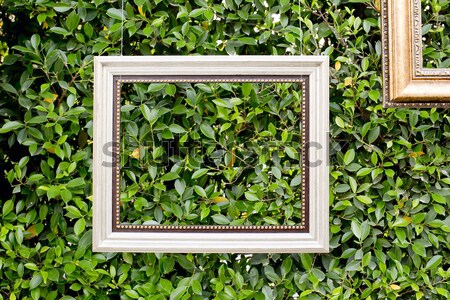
(406, 83)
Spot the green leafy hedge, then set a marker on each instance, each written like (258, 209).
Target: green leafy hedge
(389, 172)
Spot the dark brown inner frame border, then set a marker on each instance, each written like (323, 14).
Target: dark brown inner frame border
(119, 80)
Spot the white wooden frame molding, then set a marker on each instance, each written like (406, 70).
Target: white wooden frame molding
(315, 239)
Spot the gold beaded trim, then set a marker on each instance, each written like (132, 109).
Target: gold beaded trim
(116, 169)
(195, 80)
(210, 227)
(390, 104)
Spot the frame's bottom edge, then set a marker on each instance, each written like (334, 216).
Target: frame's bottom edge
(314, 247)
(236, 251)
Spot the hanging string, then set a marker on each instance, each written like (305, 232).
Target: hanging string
(300, 27)
(121, 28)
(121, 145)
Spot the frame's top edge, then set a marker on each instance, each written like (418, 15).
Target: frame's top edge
(213, 58)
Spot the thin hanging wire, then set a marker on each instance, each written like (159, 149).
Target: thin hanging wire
(121, 28)
(300, 28)
(121, 145)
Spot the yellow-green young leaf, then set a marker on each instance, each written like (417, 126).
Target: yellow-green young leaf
(200, 191)
(69, 267)
(53, 192)
(66, 195)
(401, 222)
(204, 213)
(349, 156)
(128, 257)
(197, 287)
(31, 266)
(438, 198)
(374, 95)
(442, 292)
(132, 294)
(305, 293)
(7, 207)
(366, 259)
(171, 89)
(76, 183)
(363, 172)
(73, 212)
(169, 176)
(419, 249)
(165, 284)
(10, 126)
(284, 135)
(446, 180)
(364, 199)
(307, 260)
(246, 89)
(353, 184)
(339, 122)
(365, 129)
(72, 21)
(79, 226)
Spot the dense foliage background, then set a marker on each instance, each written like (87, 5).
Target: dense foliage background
(389, 172)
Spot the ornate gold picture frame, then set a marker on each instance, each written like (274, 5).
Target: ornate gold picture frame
(113, 78)
(406, 83)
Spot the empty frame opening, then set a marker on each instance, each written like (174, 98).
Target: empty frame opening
(435, 34)
(210, 154)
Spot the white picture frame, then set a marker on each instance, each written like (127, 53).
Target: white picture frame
(108, 73)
